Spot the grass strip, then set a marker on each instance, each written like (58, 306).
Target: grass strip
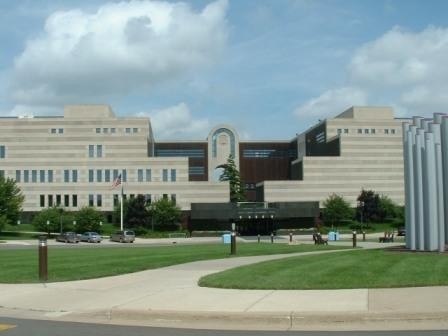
(21, 265)
(343, 270)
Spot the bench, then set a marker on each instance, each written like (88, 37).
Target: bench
(318, 240)
(388, 238)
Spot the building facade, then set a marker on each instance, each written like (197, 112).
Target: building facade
(72, 160)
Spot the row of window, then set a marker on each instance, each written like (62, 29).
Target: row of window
(267, 153)
(94, 200)
(106, 175)
(113, 130)
(367, 131)
(57, 131)
(194, 153)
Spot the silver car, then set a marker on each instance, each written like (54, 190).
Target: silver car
(91, 237)
(123, 236)
(68, 237)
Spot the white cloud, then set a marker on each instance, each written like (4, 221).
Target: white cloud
(403, 69)
(176, 122)
(331, 102)
(123, 47)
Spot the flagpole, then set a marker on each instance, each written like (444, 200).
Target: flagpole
(121, 208)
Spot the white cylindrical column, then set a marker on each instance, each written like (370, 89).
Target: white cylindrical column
(444, 145)
(408, 141)
(430, 193)
(418, 189)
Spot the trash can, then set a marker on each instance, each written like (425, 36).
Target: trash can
(331, 236)
(226, 238)
(336, 236)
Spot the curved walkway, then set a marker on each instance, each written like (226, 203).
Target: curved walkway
(171, 297)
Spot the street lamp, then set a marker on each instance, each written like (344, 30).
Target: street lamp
(48, 228)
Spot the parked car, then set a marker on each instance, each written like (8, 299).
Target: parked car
(123, 236)
(91, 237)
(68, 237)
(401, 231)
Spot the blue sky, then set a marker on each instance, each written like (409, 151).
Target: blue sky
(269, 68)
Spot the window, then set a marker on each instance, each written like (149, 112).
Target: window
(26, 176)
(61, 131)
(91, 151)
(196, 153)
(99, 201)
(131, 196)
(115, 200)
(91, 200)
(148, 175)
(115, 174)
(18, 176)
(386, 131)
(345, 130)
(372, 131)
(2, 152)
(392, 131)
(135, 130)
(42, 201)
(165, 175)
(173, 175)
(50, 176)
(196, 170)
(359, 130)
(366, 131)
(58, 200)
(128, 130)
(90, 175)
(42, 176)
(124, 176)
(140, 175)
(105, 130)
(339, 131)
(74, 175)
(113, 130)
(66, 175)
(173, 198)
(99, 151)
(148, 198)
(107, 175)
(98, 130)
(50, 200)
(66, 200)
(2, 173)
(74, 200)
(99, 175)
(165, 196)
(34, 176)
(53, 131)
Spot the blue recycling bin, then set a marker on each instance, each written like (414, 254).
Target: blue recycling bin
(226, 238)
(331, 236)
(336, 236)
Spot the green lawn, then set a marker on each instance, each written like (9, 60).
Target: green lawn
(354, 269)
(17, 235)
(21, 265)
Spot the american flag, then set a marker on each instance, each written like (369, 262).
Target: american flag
(117, 181)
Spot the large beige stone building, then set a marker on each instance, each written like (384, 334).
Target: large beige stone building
(72, 160)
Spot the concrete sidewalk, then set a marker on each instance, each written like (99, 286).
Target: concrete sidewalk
(171, 297)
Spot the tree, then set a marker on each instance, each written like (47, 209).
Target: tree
(368, 209)
(336, 209)
(231, 174)
(88, 219)
(137, 214)
(11, 201)
(165, 213)
(57, 219)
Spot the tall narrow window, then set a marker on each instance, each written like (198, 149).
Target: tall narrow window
(74, 175)
(124, 176)
(74, 200)
(99, 175)
(2, 152)
(34, 176)
(165, 175)
(107, 175)
(91, 175)
(91, 151)
(115, 175)
(66, 175)
(115, 200)
(18, 176)
(148, 175)
(91, 204)
(50, 200)
(148, 198)
(173, 198)
(42, 176)
(26, 176)
(58, 200)
(66, 200)
(392, 131)
(99, 151)
(50, 176)
(173, 175)
(42, 201)
(99, 201)
(2, 173)
(140, 175)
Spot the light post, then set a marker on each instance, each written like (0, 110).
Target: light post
(48, 227)
(74, 225)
